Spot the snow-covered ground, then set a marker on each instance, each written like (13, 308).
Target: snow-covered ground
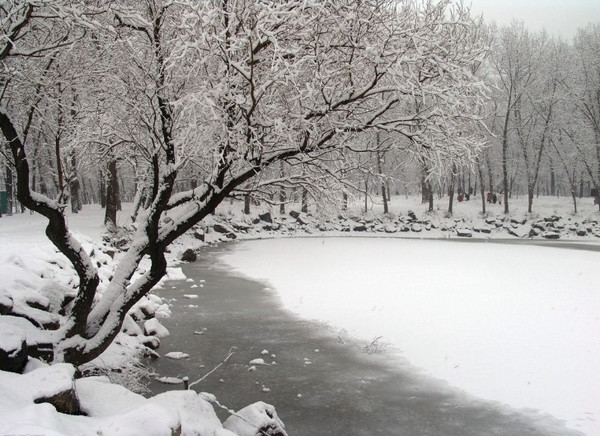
(28, 264)
(544, 304)
(516, 324)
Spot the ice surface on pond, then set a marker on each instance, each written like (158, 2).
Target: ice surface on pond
(517, 324)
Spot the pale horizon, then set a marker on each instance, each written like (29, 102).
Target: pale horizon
(558, 18)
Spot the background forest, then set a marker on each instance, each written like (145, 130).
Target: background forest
(539, 128)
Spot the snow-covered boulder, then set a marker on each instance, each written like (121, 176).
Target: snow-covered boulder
(464, 232)
(390, 228)
(153, 327)
(196, 414)
(416, 228)
(6, 302)
(46, 384)
(13, 349)
(130, 327)
(551, 235)
(521, 231)
(222, 228)
(303, 219)
(258, 419)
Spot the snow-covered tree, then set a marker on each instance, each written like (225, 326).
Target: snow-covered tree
(227, 90)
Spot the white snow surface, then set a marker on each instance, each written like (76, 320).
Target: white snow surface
(514, 324)
(32, 271)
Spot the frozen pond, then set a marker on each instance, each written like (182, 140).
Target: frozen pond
(503, 323)
(511, 323)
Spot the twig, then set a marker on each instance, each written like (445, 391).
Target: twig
(232, 351)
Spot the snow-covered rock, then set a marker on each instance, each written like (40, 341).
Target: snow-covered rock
(464, 232)
(130, 327)
(520, 231)
(13, 349)
(153, 327)
(257, 419)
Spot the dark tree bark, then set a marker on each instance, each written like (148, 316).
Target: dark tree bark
(481, 186)
(8, 182)
(380, 171)
(282, 196)
(304, 200)
(451, 190)
(112, 194)
(247, 201)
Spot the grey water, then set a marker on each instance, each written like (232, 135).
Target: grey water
(320, 381)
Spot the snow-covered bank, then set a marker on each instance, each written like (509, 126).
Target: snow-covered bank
(28, 263)
(516, 324)
(36, 285)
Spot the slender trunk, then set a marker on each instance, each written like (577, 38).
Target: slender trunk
(102, 189)
(366, 195)
(112, 192)
(480, 169)
(304, 200)
(8, 182)
(380, 171)
(430, 208)
(75, 186)
(282, 197)
(247, 204)
(505, 180)
(451, 192)
(530, 198)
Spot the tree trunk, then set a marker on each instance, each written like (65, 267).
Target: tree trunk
(380, 171)
(451, 192)
(282, 196)
(304, 200)
(505, 180)
(247, 199)
(482, 187)
(112, 194)
(75, 186)
(530, 198)
(8, 182)
(366, 195)
(430, 208)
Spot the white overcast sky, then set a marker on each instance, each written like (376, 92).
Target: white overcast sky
(558, 17)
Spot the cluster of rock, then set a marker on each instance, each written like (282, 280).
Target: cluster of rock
(55, 393)
(33, 308)
(299, 223)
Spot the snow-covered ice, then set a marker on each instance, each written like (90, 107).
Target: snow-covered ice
(516, 324)
(177, 355)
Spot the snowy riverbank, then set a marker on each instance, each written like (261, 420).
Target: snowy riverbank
(32, 271)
